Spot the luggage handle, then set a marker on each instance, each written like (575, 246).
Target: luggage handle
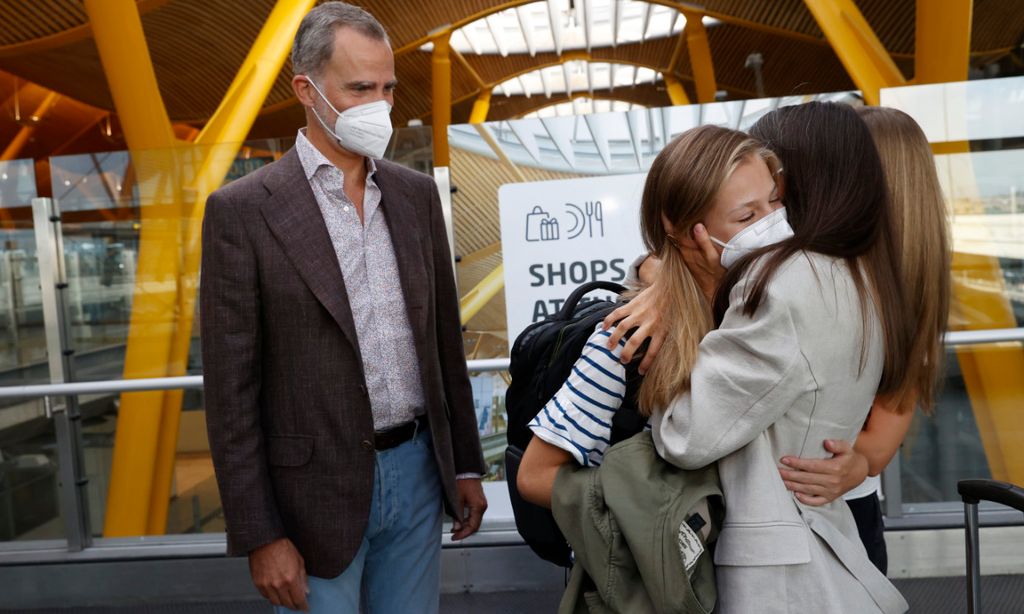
(570, 303)
(973, 491)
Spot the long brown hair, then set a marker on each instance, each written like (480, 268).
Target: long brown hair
(922, 233)
(838, 205)
(680, 190)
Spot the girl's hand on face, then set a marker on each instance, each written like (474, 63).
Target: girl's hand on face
(643, 314)
(817, 482)
(703, 260)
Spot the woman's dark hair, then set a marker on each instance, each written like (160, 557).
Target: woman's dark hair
(837, 203)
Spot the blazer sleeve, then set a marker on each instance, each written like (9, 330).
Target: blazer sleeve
(748, 373)
(458, 394)
(230, 326)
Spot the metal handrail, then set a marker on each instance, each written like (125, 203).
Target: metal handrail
(186, 382)
(195, 382)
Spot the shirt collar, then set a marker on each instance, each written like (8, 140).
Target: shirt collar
(312, 158)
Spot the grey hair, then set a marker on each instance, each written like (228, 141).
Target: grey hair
(314, 42)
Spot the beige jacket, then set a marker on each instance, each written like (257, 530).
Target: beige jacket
(800, 371)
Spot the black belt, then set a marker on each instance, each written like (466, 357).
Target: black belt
(396, 436)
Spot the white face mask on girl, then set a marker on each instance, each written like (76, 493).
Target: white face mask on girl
(364, 129)
(769, 230)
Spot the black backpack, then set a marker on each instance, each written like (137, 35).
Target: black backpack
(542, 358)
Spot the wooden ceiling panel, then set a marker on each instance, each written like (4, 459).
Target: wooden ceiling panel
(26, 20)
(997, 25)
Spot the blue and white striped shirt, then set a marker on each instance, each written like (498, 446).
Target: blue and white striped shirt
(578, 418)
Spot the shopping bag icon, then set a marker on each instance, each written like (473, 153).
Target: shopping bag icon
(540, 226)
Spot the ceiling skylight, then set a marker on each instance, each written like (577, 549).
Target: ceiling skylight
(576, 76)
(559, 25)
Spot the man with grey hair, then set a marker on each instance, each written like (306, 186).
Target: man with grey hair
(339, 410)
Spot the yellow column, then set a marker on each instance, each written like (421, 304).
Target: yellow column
(477, 298)
(700, 58)
(862, 54)
(481, 107)
(943, 47)
(117, 30)
(441, 96)
(19, 140)
(216, 148)
(675, 90)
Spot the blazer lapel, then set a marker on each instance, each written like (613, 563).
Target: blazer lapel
(295, 219)
(404, 227)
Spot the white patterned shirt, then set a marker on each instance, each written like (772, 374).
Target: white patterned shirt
(368, 265)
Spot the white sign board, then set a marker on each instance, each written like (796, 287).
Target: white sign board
(557, 235)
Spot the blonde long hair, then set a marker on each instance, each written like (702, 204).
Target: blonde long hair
(680, 190)
(921, 231)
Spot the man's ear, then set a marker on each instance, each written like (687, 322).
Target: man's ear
(304, 92)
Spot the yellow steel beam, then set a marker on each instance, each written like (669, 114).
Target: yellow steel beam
(441, 96)
(488, 138)
(676, 93)
(943, 40)
(862, 54)
(217, 146)
(19, 140)
(461, 59)
(477, 298)
(700, 57)
(117, 30)
(481, 107)
(480, 254)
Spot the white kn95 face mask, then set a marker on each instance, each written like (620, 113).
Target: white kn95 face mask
(363, 129)
(769, 230)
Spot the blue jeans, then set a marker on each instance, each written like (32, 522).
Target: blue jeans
(398, 567)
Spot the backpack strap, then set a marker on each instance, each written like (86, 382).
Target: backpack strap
(627, 420)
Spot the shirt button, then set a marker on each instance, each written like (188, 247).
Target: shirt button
(345, 208)
(367, 444)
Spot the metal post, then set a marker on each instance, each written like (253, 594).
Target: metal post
(63, 410)
(973, 559)
(444, 188)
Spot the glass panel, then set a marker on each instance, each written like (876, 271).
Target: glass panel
(965, 111)
(29, 499)
(972, 434)
(978, 427)
(29, 502)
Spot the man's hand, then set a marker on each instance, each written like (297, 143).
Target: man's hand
(279, 573)
(704, 261)
(817, 482)
(471, 507)
(643, 314)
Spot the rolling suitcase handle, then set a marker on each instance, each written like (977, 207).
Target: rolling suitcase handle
(972, 492)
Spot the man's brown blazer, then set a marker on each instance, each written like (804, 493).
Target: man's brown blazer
(288, 415)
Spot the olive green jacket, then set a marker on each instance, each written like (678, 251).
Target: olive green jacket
(637, 543)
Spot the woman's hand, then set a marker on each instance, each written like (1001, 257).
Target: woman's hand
(703, 260)
(643, 314)
(817, 482)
